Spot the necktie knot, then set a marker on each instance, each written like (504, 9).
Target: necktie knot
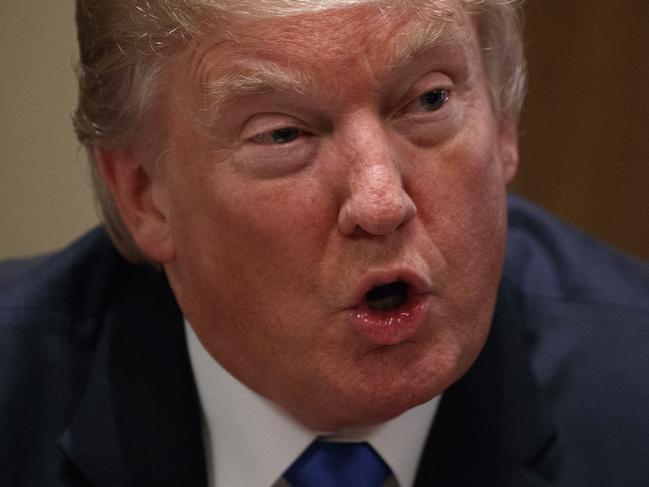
(329, 464)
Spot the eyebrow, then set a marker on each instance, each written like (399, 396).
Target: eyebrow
(254, 77)
(260, 76)
(433, 35)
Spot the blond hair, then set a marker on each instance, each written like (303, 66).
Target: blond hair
(124, 47)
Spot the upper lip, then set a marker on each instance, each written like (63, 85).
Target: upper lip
(418, 283)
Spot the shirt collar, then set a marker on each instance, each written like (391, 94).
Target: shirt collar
(251, 441)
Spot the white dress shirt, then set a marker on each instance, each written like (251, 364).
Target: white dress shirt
(250, 441)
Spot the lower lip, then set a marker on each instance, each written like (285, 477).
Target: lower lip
(394, 326)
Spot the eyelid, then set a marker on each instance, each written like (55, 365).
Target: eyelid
(424, 83)
(258, 139)
(415, 99)
(265, 123)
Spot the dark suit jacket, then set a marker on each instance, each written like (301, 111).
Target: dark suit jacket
(96, 387)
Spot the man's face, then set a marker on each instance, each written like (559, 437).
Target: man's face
(338, 222)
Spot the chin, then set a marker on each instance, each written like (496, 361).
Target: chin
(416, 383)
(371, 404)
(374, 411)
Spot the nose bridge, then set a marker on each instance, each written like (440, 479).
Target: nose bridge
(377, 201)
(376, 179)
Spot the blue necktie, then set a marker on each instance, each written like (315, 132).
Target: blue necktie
(329, 464)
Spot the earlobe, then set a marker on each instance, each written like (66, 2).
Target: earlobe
(133, 189)
(508, 141)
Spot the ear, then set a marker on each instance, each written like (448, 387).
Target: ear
(138, 197)
(508, 146)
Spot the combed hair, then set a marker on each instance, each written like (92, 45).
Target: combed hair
(125, 46)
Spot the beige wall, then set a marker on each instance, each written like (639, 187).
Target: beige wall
(44, 192)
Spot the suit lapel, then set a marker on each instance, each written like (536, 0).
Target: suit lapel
(492, 428)
(139, 421)
(90, 442)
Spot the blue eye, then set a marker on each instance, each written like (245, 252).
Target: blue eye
(285, 135)
(279, 136)
(434, 100)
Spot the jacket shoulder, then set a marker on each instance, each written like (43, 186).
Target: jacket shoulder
(585, 310)
(547, 258)
(79, 280)
(52, 311)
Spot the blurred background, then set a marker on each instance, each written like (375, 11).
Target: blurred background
(585, 126)
(584, 136)
(45, 197)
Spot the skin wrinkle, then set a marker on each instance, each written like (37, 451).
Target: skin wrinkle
(250, 76)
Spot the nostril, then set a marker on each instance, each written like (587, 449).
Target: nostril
(387, 218)
(376, 209)
(383, 218)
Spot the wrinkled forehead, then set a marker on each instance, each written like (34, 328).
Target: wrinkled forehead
(282, 51)
(397, 28)
(392, 26)
(244, 21)
(271, 8)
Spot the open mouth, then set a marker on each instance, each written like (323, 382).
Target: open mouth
(391, 309)
(388, 296)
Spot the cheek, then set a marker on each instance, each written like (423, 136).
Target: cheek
(462, 188)
(464, 211)
(267, 236)
(289, 219)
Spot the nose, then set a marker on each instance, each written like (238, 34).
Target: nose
(377, 202)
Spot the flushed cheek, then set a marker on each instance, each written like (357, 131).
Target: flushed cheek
(291, 220)
(468, 183)
(463, 210)
(271, 237)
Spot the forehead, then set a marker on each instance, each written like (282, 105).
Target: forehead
(350, 31)
(339, 57)
(372, 33)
